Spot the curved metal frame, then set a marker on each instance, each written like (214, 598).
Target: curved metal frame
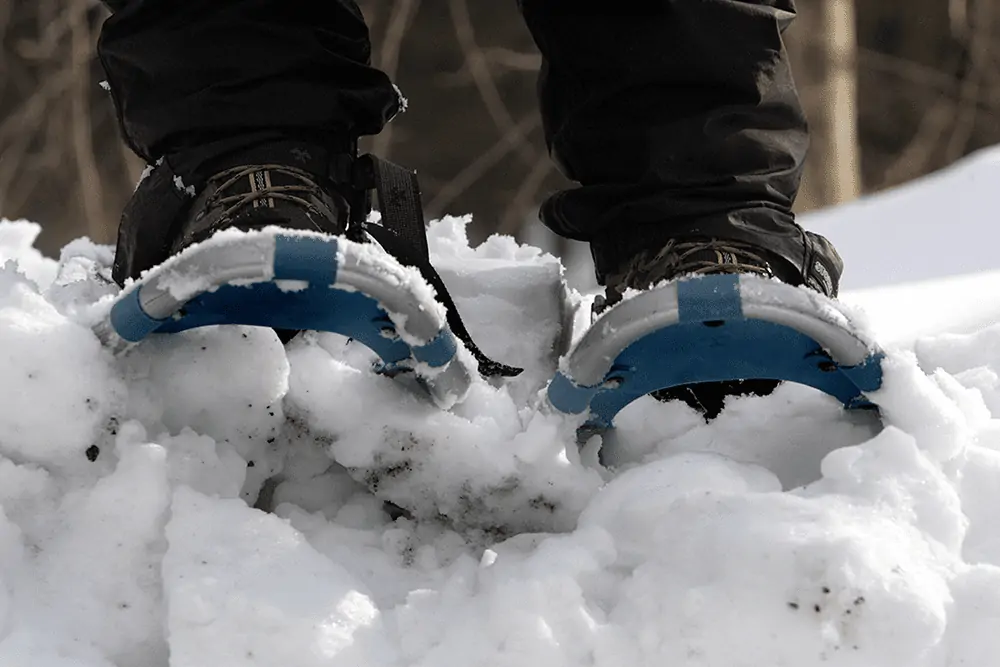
(157, 301)
(592, 366)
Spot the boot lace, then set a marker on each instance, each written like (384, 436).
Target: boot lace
(678, 258)
(297, 193)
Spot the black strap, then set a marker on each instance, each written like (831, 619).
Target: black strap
(404, 236)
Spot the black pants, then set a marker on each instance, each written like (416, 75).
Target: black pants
(678, 118)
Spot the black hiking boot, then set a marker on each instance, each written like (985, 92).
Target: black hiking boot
(250, 183)
(247, 182)
(254, 196)
(251, 197)
(696, 256)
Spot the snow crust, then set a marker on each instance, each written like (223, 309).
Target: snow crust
(782, 533)
(930, 228)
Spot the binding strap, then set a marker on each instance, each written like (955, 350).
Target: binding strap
(404, 236)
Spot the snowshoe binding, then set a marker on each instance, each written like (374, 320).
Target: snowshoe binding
(270, 244)
(714, 319)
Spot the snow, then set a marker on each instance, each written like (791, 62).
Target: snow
(16, 243)
(204, 499)
(189, 190)
(933, 227)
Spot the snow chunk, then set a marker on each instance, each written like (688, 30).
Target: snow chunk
(93, 585)
(58, 387)
(244, 588)
(17, 238)
(202, 383)
(186, 189)
(484, 465)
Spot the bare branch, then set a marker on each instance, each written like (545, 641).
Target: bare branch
(524, 198)
(46, 45)
(482, 164)
(403, 12)
(513, 60)
(980, 40)
(89, 181)
(479, 68)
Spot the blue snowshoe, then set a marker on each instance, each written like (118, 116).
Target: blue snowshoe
(697, 331)
(266, 245)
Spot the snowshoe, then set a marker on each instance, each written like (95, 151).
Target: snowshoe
(301, 281)
(380, 291)
(714, 328)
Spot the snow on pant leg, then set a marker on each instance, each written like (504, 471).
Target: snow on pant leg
(678, 118)
(186, 72)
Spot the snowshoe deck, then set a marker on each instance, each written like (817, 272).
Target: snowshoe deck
(714, 328)
(301, 281)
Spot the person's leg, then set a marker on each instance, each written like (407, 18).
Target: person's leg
(183, 72)
(680, 120)
(200, 86)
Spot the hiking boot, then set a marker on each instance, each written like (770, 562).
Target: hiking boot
(679, 258)
(254, 196)
(702, 256)
(245, 182)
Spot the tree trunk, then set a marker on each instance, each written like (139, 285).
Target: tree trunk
(822, 46)
(837, 135)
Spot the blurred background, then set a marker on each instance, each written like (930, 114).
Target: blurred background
(894, 89)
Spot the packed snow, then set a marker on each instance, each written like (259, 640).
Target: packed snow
(216, 499)
(930, 228)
